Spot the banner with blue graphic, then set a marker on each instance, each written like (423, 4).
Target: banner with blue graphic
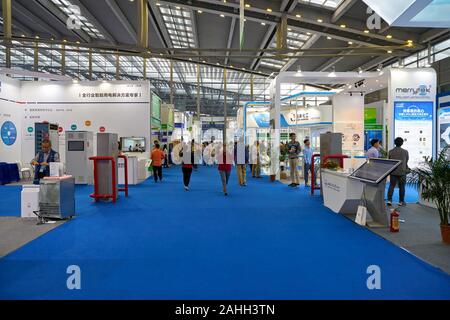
(414, 123)
(413, 111)
(9, 133)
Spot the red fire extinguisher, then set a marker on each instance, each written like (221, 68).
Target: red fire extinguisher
(395, 226)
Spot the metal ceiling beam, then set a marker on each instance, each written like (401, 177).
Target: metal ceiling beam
(61, 17)
(33, 19)
(287, 6)
(94, 21)
(230, 39)
(303, 24)
(342, 10)
(308, 44)
(432, 34)
(112, 4)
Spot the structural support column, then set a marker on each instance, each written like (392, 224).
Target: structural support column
(143, 23)
(90, 64)
(63, 59)
(144, 71)
(282, 33)
(117, 66)
(7, 29)
(198, 91)
(225, 110)
(36, 59)
(252, 79)
(171, 82)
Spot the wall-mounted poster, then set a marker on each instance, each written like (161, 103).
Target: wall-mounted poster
(414, 123)
(444, 127)
(352, 136)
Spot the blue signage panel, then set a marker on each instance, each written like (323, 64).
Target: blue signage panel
(9, 133)
(414, 123)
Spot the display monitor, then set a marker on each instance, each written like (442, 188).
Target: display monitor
(375, 170)
(133, 144)
(75, 145)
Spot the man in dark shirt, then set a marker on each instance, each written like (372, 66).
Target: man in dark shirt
(398, 176)
(294, 150)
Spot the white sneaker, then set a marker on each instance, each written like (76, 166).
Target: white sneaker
(186, 188)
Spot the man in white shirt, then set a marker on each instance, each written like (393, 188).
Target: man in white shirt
(374, 151)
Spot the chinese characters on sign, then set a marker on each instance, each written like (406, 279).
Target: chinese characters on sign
(111, 95)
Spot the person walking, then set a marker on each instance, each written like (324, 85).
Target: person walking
(157, 157)
(187, 165)
(225, 161)
(256, 160)
(166, 156)
(241, 160)
(307, 156)
(294, 150)
(398, 176)
(374, 151)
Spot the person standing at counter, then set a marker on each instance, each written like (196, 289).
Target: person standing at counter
(398, 176)
(307, 156)
(294, 150)
(42, 160)
(157, 157)
(374, 151)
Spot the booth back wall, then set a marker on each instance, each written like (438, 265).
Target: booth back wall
(118, 107)
(10, 120)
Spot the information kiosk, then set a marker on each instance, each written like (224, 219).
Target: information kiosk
(373, 174)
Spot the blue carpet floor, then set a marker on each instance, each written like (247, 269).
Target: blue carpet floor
(265, 241)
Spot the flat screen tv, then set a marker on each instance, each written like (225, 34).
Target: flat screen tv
(133, 144)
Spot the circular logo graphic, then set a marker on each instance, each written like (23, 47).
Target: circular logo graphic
(87, 123)
(9, 133)
(73, 127)
(356, 137)
(102, 129)
(60, 129)
(30, 129)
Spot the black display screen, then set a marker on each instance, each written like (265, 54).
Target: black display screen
(375, 170)
(75, 145)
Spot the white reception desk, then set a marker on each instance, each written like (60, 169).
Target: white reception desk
(341, 193)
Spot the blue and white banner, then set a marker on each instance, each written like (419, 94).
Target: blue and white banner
(414, 123)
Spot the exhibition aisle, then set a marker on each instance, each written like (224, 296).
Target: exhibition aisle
(266, 241)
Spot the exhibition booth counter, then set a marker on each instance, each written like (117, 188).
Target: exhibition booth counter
(340, 193)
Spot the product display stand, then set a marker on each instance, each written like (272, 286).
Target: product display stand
(373, 198)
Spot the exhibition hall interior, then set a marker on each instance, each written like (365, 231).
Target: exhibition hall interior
(224, 150)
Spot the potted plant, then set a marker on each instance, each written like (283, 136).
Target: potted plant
(433, 181)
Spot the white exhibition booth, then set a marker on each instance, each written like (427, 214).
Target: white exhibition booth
(410, 112)
(121, 107)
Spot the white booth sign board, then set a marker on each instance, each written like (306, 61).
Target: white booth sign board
(412, 98)
(348, 119)
(10, 120)
(340, 193)
(96, 107)
(292, 117)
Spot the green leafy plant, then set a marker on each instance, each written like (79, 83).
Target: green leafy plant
(331, 165)
(433, 177)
